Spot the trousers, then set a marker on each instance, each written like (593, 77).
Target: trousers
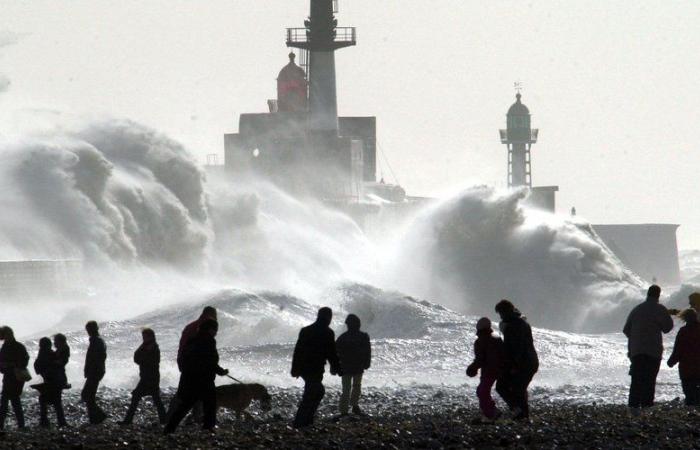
(352, 389)
(643, 370)
(310, 400)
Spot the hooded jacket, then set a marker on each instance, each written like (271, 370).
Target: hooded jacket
(147, 356)
(644, 326)
(518, 345)
(686, 351)
(95, 358)
(315, 346)
(354, 351)
(488, 354)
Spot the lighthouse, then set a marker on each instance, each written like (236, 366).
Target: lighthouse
(518, 136)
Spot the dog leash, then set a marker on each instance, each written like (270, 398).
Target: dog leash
(235, 379)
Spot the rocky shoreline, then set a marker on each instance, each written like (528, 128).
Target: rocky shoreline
(421, 417)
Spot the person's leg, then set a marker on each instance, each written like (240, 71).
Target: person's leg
(17, 407)
(636, 374)
(43, 412)
(135, 400)
(310, 399)
(504, 390)
(345, 394)
(181, 407)
(58, 406)
(4, 402)
(483, 392)
(158, 402)
(88, 395)
(209, 408)
(356, 393)
(651, 370)
(519, 382)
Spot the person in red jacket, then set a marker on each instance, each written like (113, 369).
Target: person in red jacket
(686, 353)
(489, 357)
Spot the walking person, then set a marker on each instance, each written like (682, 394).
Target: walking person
(355, 355)
(520, 360)
(686, 353)
(94, 371)
(315, 346)
(488, 357)
(147, 357)
(644, 327)
(14, 360)
(200, 366)
(48, 366)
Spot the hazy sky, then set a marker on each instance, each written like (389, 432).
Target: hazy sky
(612, 85)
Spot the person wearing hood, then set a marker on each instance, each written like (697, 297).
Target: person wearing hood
(14, 360)
(521, 361)
(147, 357)
(315, 346)
(50, 369)
(355, 355)
(200, 366)
(644, 328)
(686, 353)
(694, 301)
(488, 357)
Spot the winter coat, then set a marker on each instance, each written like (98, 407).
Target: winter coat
(354, 352)
(147, 356)
(644, 326)
(47, 366)
(519, 348)
(188, 333)
(62, 357)
(686, 351)
(489, 355)
(13, 355)
(315, 346)
(200, 364)
(95, 358)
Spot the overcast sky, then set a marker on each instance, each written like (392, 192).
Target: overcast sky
(612, 86)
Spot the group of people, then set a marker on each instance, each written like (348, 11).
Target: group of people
(510, 362)
(198, 362)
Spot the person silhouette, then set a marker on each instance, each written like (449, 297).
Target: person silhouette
(147, 357)
(48, 366)
(355, 356)
(93, 372)
(200, 366)
(643, 328)
(686, 353)
(488, 356)
(315, 346)
(521, 361)
(14, 360)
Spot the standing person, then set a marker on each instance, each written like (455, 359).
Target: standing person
(521, 361)
(488, 356)
(355, 355)
(643, 329)
(200, 366)
(48, 366)
(62, 353)
(94, 371)
(686, 353)
(147, 356)
(315, 346)
(14, 360)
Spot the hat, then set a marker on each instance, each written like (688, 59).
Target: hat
(483, 324)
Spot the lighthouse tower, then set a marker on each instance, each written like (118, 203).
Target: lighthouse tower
(519, 137)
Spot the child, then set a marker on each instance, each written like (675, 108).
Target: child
(488, 356)
(686, 352)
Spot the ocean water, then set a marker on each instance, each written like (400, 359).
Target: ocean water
(159, 239)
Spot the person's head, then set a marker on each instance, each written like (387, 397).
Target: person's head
(6, 334)
(694, 301)
(505, 308)
(210, 327)
(209, 312)
(325, 316)
(60, 341)
(92, 328)
(689, 315)
(654, 292)
(148, 335)
(353, 322)
(44, 344)
(483, 324)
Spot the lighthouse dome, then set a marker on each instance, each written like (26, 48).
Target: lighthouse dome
(291, 88)
(291, 72)
(517, 108)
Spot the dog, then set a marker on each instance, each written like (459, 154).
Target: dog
(238, 397)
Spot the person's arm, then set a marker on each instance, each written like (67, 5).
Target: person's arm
(138, 355)
(24, 360)
(666, 321)
(368, 352)
(674, 358)
(332, 355)
(627, 329)
(296, 357)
